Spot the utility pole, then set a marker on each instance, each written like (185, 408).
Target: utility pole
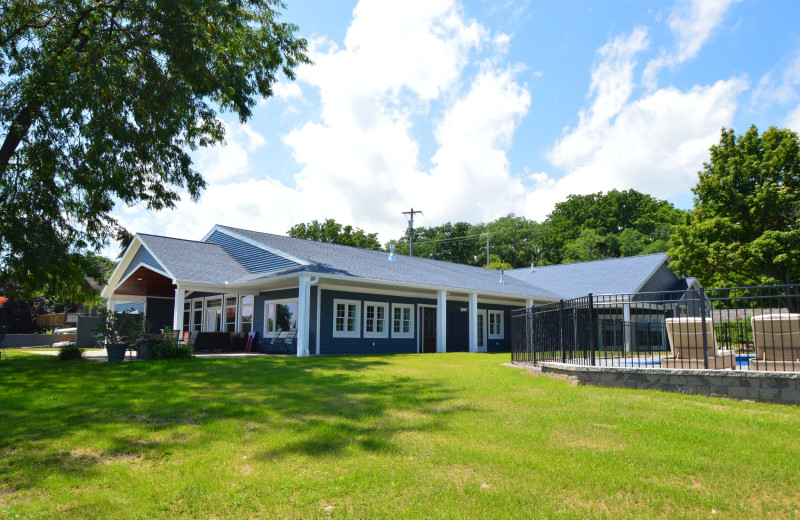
(487, 250)
(410, 217)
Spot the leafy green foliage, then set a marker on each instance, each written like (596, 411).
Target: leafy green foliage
(119, 327)
(512, 241)
(70, 353)
(332, 232)
(101, 103)
(745, 227)
(169, 348)
(618, 223)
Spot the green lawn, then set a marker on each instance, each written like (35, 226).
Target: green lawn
(417, 436)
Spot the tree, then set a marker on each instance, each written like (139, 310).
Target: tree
(332, 232)
(745, 227)
(101, 102)
(608, 216)
(18, 316)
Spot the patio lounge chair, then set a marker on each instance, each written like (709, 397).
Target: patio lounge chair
(777, 342)
(686, 340)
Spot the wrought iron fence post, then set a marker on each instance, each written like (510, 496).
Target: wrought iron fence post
(592, 338)
(561, 331)
(704, 325)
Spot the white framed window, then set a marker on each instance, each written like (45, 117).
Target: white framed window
(346, 318)
(246, 306)
(496, 330)
(197, 315)
(280, 315)
(213, 314)
(402, 320)
(231, 310)
(187, 315)
(376, 316)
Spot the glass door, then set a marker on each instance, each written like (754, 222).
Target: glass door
(481, 331)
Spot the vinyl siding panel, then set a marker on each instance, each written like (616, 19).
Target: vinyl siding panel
(662, 280)
(285, 294)
(142, 256)
(458, 327)
(252, 258)
(361, 345)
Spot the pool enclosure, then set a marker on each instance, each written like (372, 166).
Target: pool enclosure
(738, 328)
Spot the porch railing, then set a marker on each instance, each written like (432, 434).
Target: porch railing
(739, 328)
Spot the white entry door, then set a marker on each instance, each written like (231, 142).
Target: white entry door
(481, 331)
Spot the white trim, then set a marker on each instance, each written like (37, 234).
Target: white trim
(421, 324)
(239, 313)
(225, 312)
(485, 336)
(319, 310)
(276, 302)
(356, 332)
(402, 335)
(472, 325)
(385, 306)
(140, 264)
(255, 243)
(502, 298)
(502, 333)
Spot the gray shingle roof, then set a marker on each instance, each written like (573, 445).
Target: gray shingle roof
(191, 261)
(375, 265)
(611, 276)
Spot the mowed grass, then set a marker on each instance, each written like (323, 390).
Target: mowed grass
(416, 436)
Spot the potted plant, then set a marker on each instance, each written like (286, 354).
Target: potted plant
(117, 331)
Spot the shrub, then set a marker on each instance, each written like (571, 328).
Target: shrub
(169, 349)
(70, 352)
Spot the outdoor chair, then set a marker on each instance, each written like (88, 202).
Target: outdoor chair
(686, 341)
(777, 341)
(290, 342)
(269, 345)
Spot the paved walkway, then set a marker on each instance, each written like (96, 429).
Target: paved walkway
(100, 355)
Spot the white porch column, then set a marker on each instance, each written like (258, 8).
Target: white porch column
(473, 322)
(441, 321)
(177, 315)
(626, 331)
(528, 304)
(110, 304)
(303, 314)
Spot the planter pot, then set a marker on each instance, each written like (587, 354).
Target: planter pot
(116, 351)
(143, 351)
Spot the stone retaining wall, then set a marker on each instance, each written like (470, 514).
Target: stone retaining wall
(772, 387)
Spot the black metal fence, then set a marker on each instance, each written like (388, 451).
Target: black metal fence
(739, 328)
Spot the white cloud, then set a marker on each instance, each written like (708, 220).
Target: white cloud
(781, 85)
(358, 157)
(230, 160)
(793, 120)
(654, 144)
(692, 22)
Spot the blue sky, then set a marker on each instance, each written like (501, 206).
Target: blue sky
(470, 110)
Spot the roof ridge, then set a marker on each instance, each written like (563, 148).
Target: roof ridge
(617, 258)
(371, 251)
(175, 238)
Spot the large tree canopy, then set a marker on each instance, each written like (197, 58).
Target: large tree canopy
(332, 232)
(745, 227)
(617, 223)
(101, 102)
